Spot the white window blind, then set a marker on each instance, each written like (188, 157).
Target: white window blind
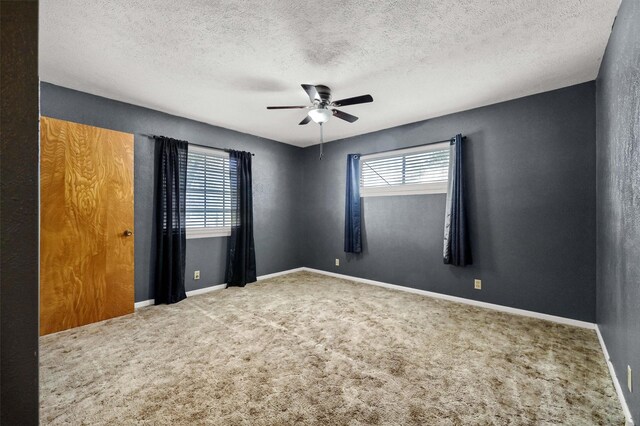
(421, 170)
(208, 207)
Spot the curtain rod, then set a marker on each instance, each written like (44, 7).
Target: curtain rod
(195, 144)
(413, 146)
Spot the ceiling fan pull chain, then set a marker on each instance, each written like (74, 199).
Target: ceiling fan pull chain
(321, 141)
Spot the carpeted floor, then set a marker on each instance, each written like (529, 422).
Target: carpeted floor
(309, 349)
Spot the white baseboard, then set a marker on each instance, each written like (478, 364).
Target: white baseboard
(143, 304)
(206, 290)
(190, 293)
(277, 274)
(501, 308)
(215, 287)
(614, 378)
(523, 312)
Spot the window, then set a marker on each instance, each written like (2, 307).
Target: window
(420, 170)
(208, 210)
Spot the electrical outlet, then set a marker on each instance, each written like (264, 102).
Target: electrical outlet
(629, 378)
(477, 284)
(337, 262)
(196, 275)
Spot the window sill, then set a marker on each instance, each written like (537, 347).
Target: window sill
(207, 232)
(440, 188)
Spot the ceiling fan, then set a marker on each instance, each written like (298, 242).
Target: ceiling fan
(322, 108)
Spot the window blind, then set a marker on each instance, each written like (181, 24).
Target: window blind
(424, 170)
(208, 190)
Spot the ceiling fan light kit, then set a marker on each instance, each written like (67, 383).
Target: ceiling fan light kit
(322, 108)
(320, 115)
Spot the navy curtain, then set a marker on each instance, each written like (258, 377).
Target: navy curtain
(241, 256)
(353, 215)
(170, 210)
(457, 250)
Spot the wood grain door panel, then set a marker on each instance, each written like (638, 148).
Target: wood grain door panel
(86, 204)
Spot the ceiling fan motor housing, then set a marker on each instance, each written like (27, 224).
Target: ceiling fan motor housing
(325, 94)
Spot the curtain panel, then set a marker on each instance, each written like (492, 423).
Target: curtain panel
(241, 257)
(457, 249)
(353, 213)
(171, 231)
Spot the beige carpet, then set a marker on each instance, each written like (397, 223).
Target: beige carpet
(310, 349)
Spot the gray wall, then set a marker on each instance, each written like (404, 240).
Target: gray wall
(618, 198)
(19, 263)
(530, 179)
(276, 184)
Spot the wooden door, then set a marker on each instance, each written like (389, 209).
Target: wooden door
(86, 224)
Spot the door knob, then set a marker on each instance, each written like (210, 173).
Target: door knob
(128, 233)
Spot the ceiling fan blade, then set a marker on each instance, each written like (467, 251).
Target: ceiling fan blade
(286, 107)
(353, 101)
(344, 116)
(305, 120)
(312, 92)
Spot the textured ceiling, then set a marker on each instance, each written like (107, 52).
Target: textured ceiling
(222, 62)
